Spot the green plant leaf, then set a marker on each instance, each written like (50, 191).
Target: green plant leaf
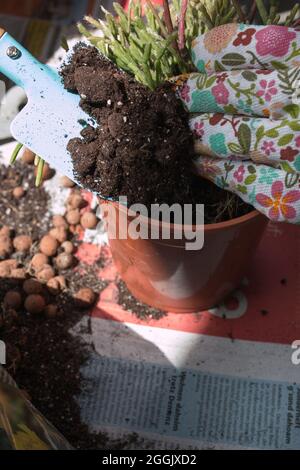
(242, 189)
(260, 132)
(278, 65)
(230, 109)
(250, 179)
(64, 43)
(235, 148)
(291, 178)
(39, 175)
(244, 136)
(228, 167)
(287, 167)
(285, 139)
(224, 182)
(251, 169)
(250, 76)
(293, 110)
(219, 67)
(122, 16)
(233, 59)
(273, 133)
(15, 153)
(210, 81)
(294, 125)
(201, 81)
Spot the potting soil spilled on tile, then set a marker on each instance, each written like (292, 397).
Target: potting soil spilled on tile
(200, 408)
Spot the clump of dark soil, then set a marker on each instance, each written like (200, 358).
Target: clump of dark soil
(142, 147)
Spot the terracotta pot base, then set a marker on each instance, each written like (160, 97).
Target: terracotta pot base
(164, 275)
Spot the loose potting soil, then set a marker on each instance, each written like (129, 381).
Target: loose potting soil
(143, 147)
(24, 210)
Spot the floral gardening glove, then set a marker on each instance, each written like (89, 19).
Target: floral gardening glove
(248, 129)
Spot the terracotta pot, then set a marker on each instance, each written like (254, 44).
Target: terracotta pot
(165, 275)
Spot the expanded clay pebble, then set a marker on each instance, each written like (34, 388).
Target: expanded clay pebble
(66, 182)
(32, 286)
(59, 233)
(89, 220)
(73, 216)
(4, 271)
(28, 156)
(13, 299)
(48, 245)
(45, 273)
(5, 230)
(22, 243)
(39, 260)
(75, 229)
(11, 271)
(62, 281)
(53, 286)
(6, 246)
(19, 273)
(52, 311)
(64, 261)
(59, 221)
(56, 284)
(35, 303)
(85, 297)
(68, 247)
(76, 201)
(18, 192)
(11, 263)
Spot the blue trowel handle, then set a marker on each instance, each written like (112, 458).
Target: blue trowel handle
(22, 68)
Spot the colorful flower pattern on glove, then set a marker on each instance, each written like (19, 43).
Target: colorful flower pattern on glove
(246, 114)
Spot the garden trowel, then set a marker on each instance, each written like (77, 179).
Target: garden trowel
(52, 115)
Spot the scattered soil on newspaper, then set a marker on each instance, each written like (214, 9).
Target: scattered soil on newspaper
(143, 147)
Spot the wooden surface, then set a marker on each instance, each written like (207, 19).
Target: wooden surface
(1, 32)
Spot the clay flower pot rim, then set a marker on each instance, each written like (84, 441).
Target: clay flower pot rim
(207, 227)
